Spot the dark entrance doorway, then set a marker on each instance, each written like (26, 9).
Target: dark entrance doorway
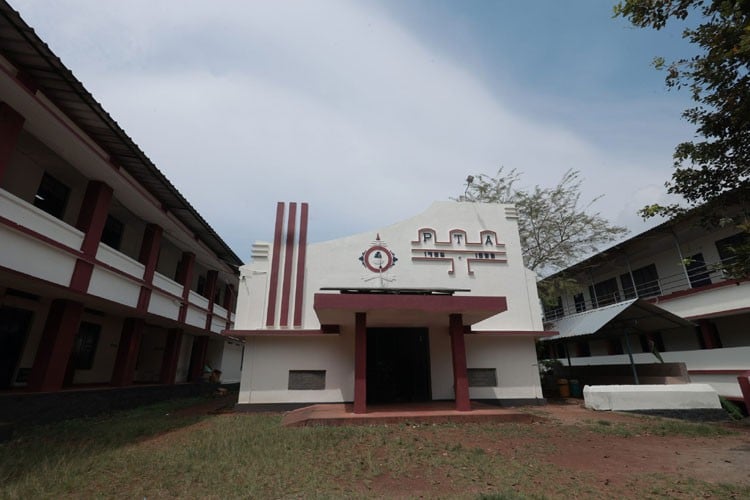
(398, 365)
(14, 324)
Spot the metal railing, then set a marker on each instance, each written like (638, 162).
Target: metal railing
(695, 278)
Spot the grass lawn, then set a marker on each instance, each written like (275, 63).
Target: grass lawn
(158, 451)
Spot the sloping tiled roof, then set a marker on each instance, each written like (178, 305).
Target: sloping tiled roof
(24, 49)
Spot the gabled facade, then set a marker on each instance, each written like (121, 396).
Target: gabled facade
(673, 266)
(436, 307)
(107, 275)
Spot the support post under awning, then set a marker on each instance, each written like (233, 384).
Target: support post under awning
(632, 363)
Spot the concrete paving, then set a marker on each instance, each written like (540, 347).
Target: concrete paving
(432, 412)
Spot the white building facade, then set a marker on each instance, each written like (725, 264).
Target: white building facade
(675, 267)
(107, 275)
(437, 307)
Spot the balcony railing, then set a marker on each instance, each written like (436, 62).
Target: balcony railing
(695, 278)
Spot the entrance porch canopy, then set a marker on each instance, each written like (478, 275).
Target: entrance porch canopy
(404, 306)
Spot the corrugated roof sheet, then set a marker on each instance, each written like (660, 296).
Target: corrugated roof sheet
(635, 315)
(21, 45)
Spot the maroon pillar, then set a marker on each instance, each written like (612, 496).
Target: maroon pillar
(212, 278)
(91, 220)
(707, 334)
(198, 357)
(744, 380)
(185, 278)
(171, 356)
(149, 257)
(458, 351)
(360, 363)
(11, 123)
(55, 346)
(127, 352)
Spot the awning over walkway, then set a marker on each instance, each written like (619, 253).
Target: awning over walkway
(631, 316)
(404, 309)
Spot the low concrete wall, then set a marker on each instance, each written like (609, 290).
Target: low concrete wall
(36, 408)
(651, 373)
(651, 397)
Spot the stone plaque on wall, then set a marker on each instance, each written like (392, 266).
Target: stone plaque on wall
(307, 380)
(482, 377)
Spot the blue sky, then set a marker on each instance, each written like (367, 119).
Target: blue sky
(370, 110)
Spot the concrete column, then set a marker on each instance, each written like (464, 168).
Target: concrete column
(360, 363)
(212, 278)
(458, 352)
(127, 352)
(171, 356)
(55, 346)
(707, 334)
(185, 278)
(149, 257)
(744, 380)
(91, 220)
(11, 124)
(198, 358)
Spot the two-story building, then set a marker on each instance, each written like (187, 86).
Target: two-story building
(436, 307)
(674, 267)
(108, 276)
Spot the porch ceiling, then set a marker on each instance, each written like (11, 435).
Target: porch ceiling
(404, 310)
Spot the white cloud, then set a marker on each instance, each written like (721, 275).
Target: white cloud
(245, 104)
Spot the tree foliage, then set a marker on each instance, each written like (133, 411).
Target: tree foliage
(719, 81)
(556, 227)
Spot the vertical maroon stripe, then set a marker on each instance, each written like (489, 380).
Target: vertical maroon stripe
(275, 264)
(360, 362)
(291, 228)
(301, 253)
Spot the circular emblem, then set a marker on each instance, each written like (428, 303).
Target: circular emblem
(378, 259)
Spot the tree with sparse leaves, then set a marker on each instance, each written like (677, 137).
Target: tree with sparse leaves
(714, 168)
(556, 228)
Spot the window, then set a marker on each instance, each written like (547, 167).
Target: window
(561, 351)
(580, 302)
(727, 246)
(85, 345)
(604, 293)
(52, 196)
(554, 311)
(307, 380)
(697, 271)
(482, 377)
(582, 349)
(646, 282)
(112, 233)
(649, 341)
(614, 346)
(201, 286)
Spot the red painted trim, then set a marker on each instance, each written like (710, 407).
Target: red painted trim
(427, 303)
(79, 281)
(451, 251)
(185, 278)
(377, 248)
(11, 124)
(127, 352)
(744, 380)
(360, 363)
(512, 333)
(692, 291)
(727, 371)
(198, 358)
(715, 314)
(280, 333)
(299, 289)
(419, 241)
(483, 261)
(452, 270)
(212, 278)
(93, 215)
(55, 346)
(171, 356)
(275, 256)
(149, 256)
(458, 354)
(286, 291)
